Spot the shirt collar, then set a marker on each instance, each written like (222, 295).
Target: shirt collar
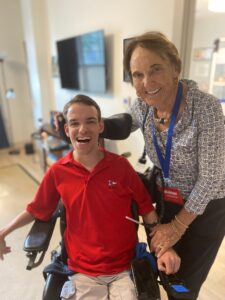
(68, 158)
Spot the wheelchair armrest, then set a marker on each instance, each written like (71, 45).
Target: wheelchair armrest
(38, 239)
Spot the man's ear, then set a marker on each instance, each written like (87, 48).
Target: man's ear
(66, 128)
(102, 126)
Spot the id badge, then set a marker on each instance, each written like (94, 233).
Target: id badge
(173, 195)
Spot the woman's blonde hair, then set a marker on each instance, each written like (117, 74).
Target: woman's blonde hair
(156, 42)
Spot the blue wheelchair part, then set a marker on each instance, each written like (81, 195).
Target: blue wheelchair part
(141, 251)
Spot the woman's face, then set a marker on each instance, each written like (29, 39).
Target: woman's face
(155, 79)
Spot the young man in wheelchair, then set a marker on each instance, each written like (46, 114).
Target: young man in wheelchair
(97, 188)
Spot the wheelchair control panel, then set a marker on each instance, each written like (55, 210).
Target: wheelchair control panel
(175, 287)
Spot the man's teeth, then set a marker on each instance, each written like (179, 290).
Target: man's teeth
(153, 92)
(83, 140)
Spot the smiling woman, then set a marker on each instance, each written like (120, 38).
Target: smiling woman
(183, 129)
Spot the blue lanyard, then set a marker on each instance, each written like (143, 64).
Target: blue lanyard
(165, 162)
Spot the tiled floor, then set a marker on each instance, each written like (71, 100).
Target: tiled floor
(16, 189)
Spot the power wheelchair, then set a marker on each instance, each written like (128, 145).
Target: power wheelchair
(145, 275)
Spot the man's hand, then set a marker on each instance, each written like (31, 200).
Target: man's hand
(20, 220)
(57, 115)
(3, 248)
(169, 262)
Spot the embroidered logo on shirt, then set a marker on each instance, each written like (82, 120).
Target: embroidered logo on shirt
(112, 183)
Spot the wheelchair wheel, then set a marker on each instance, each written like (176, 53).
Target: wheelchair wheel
(53, 286)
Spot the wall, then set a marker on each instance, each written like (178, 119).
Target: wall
(37, 43)
(17, 112)
(119, 19)
(45, 22)
(212, 25)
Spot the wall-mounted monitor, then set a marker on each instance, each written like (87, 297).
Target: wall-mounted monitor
(82, 63)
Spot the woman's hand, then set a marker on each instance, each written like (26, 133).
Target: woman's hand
(163, 237)
(169, 262)
(3, 248)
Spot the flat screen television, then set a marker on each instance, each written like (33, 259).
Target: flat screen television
(82, 63)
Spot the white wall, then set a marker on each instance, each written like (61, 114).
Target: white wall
(206, 30)
(45, 22)
(37, 42)
(119, 19)
(11, 43)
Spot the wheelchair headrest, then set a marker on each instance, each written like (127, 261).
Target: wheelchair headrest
(117, 127)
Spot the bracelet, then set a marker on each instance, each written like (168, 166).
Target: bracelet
(175, 230)
(181, 223)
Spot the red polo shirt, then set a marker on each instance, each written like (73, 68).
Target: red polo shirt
(98, 238)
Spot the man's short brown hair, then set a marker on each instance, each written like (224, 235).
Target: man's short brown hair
(82, 99)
